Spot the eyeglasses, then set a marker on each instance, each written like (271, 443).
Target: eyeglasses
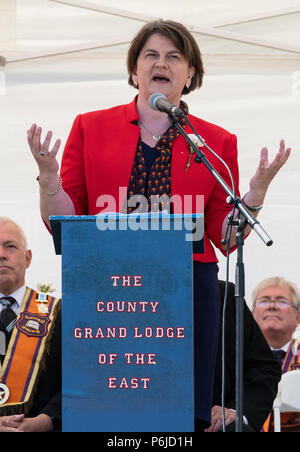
(280, 302)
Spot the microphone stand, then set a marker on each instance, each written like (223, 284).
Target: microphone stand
(244, 217)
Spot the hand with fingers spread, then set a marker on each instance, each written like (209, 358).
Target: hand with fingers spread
(45, 158)
(53, 199)
(266, 170)
(260, 182)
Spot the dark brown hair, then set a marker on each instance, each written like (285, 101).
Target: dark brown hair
(181, 38)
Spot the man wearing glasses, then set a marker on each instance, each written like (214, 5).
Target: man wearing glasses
(276, 309)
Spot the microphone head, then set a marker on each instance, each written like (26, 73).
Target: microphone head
(154, 98)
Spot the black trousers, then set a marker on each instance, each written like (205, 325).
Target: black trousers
(206, 330)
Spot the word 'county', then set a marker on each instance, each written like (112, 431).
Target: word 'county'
(127, 306)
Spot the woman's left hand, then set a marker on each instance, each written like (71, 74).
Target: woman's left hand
(266, 172)
(259, 184)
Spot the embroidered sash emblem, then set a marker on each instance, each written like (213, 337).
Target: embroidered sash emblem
(33, 325)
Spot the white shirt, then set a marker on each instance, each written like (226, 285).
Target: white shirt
(18, 296)
(284, 348)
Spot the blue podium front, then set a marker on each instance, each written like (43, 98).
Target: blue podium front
(127, 315)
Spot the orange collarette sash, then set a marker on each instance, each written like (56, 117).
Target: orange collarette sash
(291, 362)
(27, 348)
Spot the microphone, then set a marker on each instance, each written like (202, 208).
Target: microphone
(158, 101)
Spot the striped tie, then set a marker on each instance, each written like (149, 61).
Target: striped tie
(7, 322)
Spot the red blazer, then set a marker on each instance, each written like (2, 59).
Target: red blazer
(98, 160)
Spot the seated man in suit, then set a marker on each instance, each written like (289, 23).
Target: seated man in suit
(276, 308)
(30, 343)
(261, 372)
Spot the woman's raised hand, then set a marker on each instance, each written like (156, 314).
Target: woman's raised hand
(45, 158)
(266, 170)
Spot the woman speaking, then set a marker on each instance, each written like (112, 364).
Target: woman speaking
(137, 147)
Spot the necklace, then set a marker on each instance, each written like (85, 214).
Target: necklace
(155, 136)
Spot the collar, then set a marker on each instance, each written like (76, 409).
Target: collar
(131, 111)
(284, 348)
(18, 296)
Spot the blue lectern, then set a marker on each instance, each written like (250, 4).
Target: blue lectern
(127, 321)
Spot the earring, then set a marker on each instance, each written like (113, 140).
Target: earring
(135, 84)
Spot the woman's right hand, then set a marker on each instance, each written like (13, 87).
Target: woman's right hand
(45, 159)
(53, 199)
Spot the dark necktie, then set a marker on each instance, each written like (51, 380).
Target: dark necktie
(7, 322)
(279, 355)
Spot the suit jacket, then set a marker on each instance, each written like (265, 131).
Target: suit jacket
(98, 159)
(47, 395)
(262, 373)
